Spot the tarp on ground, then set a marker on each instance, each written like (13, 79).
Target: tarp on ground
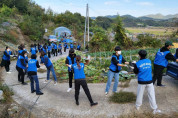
(67, 41)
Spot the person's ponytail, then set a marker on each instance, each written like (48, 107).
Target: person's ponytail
(78, 59)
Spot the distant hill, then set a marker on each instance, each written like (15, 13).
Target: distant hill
(146, 17)
(160, 16)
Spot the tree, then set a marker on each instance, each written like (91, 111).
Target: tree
(120, 37)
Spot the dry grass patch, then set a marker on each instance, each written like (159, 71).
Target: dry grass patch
(123, 97)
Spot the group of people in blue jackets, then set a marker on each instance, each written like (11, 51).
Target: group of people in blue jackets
(143, 68)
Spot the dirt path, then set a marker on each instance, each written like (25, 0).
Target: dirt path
(56, 102)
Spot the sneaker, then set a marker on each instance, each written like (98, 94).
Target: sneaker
(46, 81)
(161, 85)
(24, 83)
(94, 103)
(55, 83)
(138, 108)
(77, 103)
(156, 111)
(106, 93)
(40, 93)
(33, 91)
(8, 72)
(69, 89)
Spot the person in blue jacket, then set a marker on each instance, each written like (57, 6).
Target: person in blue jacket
(44, 49)
(176, 54)
(79, 77)
(21, 66)
(33, 49)
(55, 49)
(143, 69)
(6, 59)
(65, 47)
(78, 47)
(161, 62)
(71, 46)
(33, 64)
(47, 62)
(71, 59)
(114, 69)
(60, 48)
(21, 47)
(49, 50)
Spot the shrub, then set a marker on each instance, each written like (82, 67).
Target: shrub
(7, 93)
(6, 11)
(122, 97)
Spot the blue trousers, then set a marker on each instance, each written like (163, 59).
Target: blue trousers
(32, 79)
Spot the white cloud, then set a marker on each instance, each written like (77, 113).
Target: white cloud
(111, 3)
(145, 3)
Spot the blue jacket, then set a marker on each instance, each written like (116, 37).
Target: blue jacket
(78, 47)
(20, 52)
(160, 58)
(19, 64)
(60, 46)
(49, 48)
(33, 50)
(145, 71)
(32, 65)
(78, 73)
(55, 46)
(114, 67)
(44, 50)
(46, 61)
(70, 62)
(7, 58)
(71, 46)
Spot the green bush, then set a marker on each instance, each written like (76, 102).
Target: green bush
(7, 93)
(32, 27)
(5, 11)
(10, 38)
(123, 97)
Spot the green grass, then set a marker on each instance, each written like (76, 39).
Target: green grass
(155, 31)
(123, 97)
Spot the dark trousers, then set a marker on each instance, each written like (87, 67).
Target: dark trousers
(7, 63)
(158, 71)
(64, 49)
(83, 83)
(70, 73)
(60, 51)
(21, 74)
(49, 54)
(32, 79)
(55, 52)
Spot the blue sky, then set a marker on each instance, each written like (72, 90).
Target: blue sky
(112, 7)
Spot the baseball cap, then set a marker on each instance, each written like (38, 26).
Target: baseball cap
(169, 43)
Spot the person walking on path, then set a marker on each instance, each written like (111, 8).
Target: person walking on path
(33, 64)
(47, 62)
(144, 70)
(6, 59)
(116, 64)
(55, 49)
(60, 48)
(161, 62)
(71, 59)
(65, 47)
(79, 77)
(78, 47)
(21, 66)
(49, 50)
(33, 49)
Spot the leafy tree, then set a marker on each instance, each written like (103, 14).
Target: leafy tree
(120, 37)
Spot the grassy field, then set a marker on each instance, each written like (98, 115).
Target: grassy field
(160, 31)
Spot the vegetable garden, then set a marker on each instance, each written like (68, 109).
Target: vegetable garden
(96, 70)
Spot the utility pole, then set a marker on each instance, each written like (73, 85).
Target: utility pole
(86, 21)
